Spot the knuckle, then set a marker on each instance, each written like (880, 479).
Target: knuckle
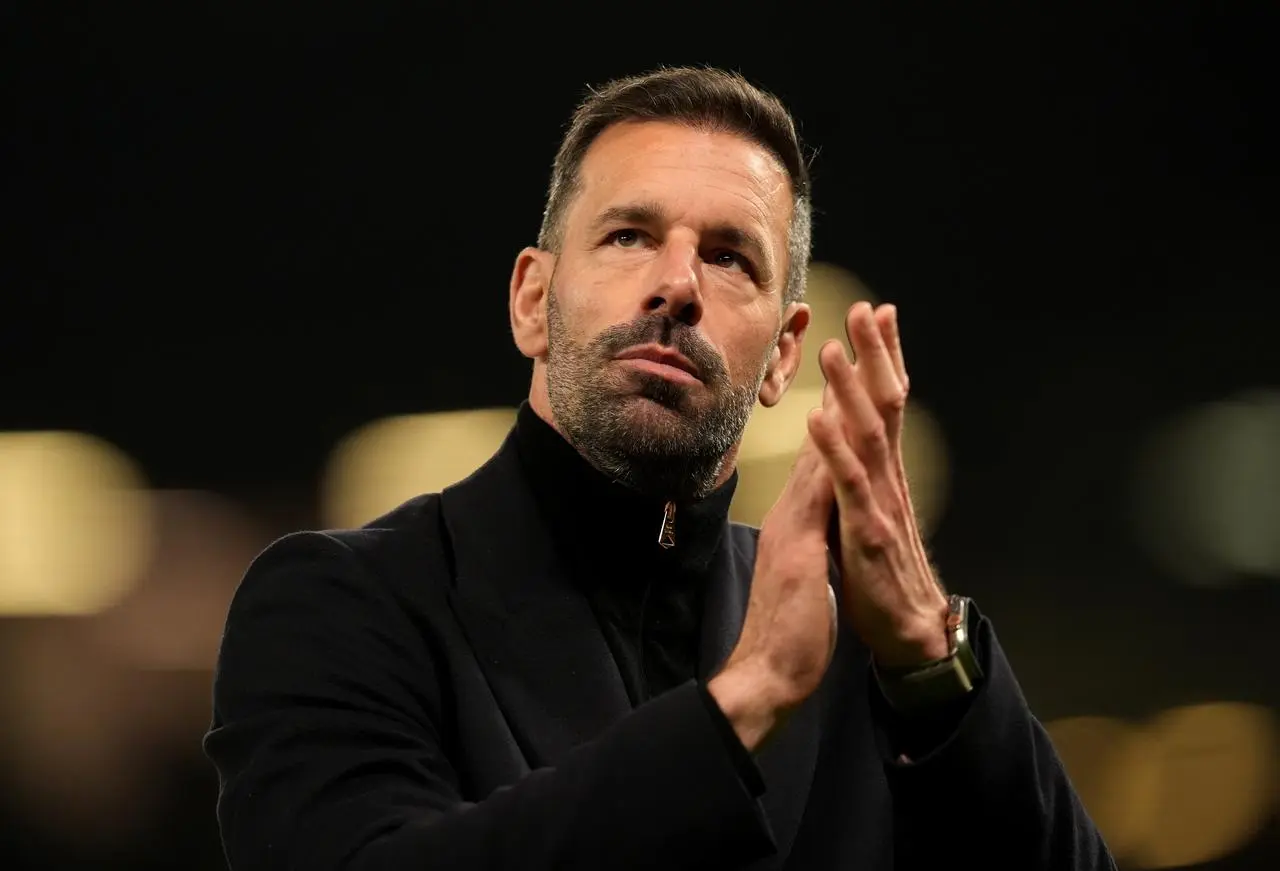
(855, 477)
(876, 535)
(875, 435)
(899, 514)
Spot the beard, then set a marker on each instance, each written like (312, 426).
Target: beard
(659, 437)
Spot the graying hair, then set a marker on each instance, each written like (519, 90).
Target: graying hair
(705, 99)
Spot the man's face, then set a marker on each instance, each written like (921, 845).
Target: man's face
(665, 302)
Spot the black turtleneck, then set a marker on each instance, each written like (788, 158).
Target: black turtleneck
(648, 598)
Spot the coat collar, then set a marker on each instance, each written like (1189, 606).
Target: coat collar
(540, 645)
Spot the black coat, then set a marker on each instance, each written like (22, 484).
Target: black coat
(429, 692)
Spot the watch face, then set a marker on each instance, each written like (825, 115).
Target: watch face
(957, 620)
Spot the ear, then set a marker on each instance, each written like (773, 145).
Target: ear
(785, 360)
(527, 302)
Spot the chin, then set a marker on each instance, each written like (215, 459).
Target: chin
(645, 413)
(676, 398)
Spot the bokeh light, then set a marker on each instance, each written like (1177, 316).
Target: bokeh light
(1108, 764)
(1193, 784)
(97, 705)
(389, 461)
(1215, 782)
(172, 618)
(75, 523)
(1208, 492)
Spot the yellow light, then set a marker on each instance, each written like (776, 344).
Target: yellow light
(830, 291)
(75, 524)
(173, 618)
(1111, 765)
(1192, 785)
(759, 485)
(1216, 782)
(389, 461)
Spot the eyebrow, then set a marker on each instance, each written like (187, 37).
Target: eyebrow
(651, 213)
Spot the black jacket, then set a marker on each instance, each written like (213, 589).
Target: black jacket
(428, 692)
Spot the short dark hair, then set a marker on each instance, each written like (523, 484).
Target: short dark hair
(702, 98)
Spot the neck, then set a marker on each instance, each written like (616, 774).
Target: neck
(726, 464)
(599, 521)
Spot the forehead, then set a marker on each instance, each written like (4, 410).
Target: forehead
(697, 175)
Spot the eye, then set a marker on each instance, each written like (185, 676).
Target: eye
(625, 238)
(730, 259)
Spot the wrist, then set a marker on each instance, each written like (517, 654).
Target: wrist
(918, 641)
(933, 684)
(752, 701)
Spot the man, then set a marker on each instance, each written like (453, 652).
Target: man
(572, 659)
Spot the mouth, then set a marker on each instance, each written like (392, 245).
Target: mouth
(661, 361)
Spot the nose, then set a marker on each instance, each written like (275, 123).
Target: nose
(676, 290)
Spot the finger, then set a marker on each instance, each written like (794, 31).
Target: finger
(887, 320)
(809, 485)
(875, 365)
(862, 421)
(849, 477)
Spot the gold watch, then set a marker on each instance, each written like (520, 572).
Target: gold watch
(933, 684)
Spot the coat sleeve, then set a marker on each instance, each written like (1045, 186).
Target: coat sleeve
(333, 752)
(992, 791)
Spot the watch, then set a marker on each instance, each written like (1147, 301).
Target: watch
(933, 684)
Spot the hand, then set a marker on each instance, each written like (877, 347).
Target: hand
(891, 596)
(789, 633)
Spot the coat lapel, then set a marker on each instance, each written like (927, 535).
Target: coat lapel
(542, 651)
(535, 636)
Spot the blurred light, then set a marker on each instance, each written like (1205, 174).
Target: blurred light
(830, 291)
(1215, 785)
(759, 485)
(98, 707)
(74, 523)
(71, 754)
(1208, 492)
(1112, 769)
(172, 620)
(1194, 784)
(774, 435)
(390, 461)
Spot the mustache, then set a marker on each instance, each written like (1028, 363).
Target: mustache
(670, 333)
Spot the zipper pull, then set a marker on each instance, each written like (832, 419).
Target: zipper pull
(667, 534)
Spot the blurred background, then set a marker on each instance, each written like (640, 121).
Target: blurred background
(255, 280)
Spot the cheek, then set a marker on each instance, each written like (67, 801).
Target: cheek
(584, 304)
(750, 354)
(757, 334)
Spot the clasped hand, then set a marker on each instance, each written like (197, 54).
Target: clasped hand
(891, 596)
(850, 463)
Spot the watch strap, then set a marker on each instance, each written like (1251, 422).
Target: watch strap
(936, 683)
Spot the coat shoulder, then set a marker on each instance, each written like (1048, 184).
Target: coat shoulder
(403, 548)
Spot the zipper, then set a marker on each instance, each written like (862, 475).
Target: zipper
(667, 532)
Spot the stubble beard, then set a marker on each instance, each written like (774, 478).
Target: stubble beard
(659, 437)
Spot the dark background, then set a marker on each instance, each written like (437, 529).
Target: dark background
(235, 234)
